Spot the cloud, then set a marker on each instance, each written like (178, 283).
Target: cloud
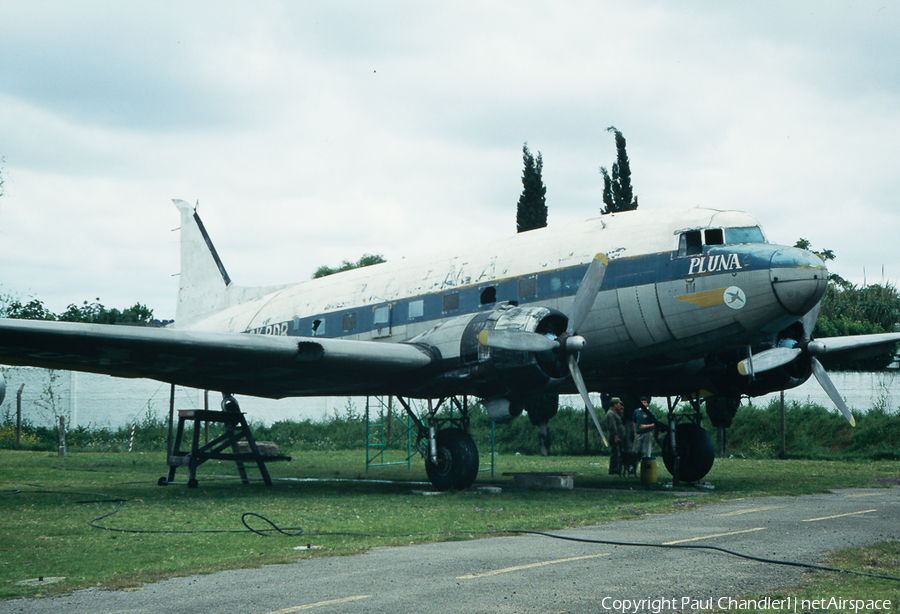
(311, 133)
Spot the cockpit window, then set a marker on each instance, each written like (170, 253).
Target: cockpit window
(714, 236)
(691, 242)
(750, 234)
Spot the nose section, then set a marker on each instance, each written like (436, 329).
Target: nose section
(798, 279)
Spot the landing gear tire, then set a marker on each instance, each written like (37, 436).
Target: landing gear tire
(696, 450)
(457, 461)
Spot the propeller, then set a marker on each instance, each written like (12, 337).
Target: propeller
(570, 343)
(780, 356)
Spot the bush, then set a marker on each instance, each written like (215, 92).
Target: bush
(813, 432)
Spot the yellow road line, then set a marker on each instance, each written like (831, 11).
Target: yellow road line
(694, 539)
(838, 516)
(319, 604)
(529, 566)
(752, 509)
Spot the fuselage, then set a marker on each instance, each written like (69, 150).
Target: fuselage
(681, 286)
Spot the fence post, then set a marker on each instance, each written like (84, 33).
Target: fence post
(783, 429)
(62, 435)
(170, 440)
(19, 417)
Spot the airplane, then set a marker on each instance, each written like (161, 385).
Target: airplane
(682, 303)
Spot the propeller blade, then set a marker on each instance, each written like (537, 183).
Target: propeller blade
(768, 360)
(587, 292)
(516, 340)
(582, 389)
(809, 321)
(826, 383)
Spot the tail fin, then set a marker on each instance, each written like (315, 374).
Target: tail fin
(203, 284)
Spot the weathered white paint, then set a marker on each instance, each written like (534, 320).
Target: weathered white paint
(102, 401)
(617, 235)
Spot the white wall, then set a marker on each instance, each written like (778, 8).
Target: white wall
(102, 401)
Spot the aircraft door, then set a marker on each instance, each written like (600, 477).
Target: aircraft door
(643, 318)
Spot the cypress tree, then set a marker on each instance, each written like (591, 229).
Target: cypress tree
(531, 211)
(618, 194)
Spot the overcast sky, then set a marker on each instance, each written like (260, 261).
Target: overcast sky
(313, 132)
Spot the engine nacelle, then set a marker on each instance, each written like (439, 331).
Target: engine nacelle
(724, 378)
(502, 410)
(2, 387)
(502, 377)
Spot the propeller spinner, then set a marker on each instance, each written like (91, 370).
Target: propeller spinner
(570, 343)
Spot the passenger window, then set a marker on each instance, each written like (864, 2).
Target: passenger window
(451, 301)
(527, 287)
(715, 236)
(416, 309)
(382, 315)
(489, 295)
(349, 321)
(318, 328)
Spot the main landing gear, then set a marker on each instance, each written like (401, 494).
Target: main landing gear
(451, 457)
(687, 448)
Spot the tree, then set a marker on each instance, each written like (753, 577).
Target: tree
(98, 314)
(32, 310)
(721, 412)
(365, 260)
(94, 313)
(825, 255)
(849, 310)
(617, 191)
(531, 211)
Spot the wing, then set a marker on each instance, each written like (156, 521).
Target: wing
(858, 346)
(256, 365)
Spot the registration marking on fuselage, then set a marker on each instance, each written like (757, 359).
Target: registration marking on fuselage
(695, 539)
(495, 572)
(839, 515)
(319, 604)
(751, 510)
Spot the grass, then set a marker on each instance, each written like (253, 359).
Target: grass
(47, 502)
(826, 591)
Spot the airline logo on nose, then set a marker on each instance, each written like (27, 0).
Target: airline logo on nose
(732, 296)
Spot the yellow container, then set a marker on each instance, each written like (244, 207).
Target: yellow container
(648, 470)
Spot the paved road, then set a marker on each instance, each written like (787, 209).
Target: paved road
(536, 574)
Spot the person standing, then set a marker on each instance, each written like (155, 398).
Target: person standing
(616, 430)
(645, 422)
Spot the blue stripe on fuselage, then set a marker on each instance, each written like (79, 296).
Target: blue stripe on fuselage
(554, 284)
